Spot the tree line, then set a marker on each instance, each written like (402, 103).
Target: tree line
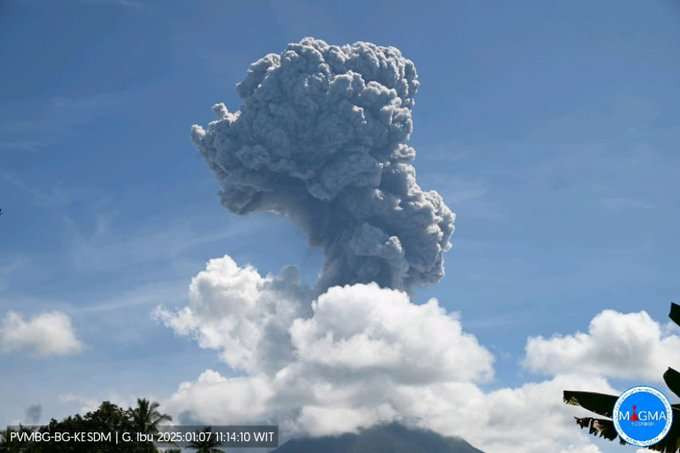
(107, 418)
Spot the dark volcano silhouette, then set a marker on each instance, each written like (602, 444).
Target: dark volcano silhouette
(392, 438)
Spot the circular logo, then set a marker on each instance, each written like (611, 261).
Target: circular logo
(642, 416)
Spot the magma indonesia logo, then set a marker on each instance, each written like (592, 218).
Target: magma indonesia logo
(642, 416)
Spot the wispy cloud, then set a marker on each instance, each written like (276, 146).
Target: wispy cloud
(167, 292)
(9, 265)
(625, 203)
(106, 247)
(58, 195)
(123, 3)
(31, 125)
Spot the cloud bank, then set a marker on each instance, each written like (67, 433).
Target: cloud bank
(618, 345)
(355, 356)
(321, 137)
(261, 325)
(46, 334)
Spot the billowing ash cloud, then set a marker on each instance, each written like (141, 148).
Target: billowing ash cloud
(322, 137)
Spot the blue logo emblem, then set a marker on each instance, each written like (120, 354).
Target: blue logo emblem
(642, 416)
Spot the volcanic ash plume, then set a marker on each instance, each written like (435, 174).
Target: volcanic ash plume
(322, 137)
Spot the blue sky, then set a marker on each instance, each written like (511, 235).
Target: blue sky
(550, 129)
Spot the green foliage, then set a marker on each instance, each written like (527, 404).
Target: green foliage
(206, 443)
(108, 418)
(8, 444)
(145, 418)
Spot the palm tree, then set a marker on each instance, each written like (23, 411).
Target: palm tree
(205, 442)
(145, 418)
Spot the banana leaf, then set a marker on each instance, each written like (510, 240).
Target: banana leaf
(675, 313)
(672, 378)
(599, 427)
(670, 443)
(605, 428)
(599, 403)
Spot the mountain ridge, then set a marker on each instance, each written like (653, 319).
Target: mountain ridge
(389, 438)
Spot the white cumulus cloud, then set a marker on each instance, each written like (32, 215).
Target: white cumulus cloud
(617, 345)
(530, 418)
(46, 334)
(355, 356)
(241, 314)
(373, 330)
